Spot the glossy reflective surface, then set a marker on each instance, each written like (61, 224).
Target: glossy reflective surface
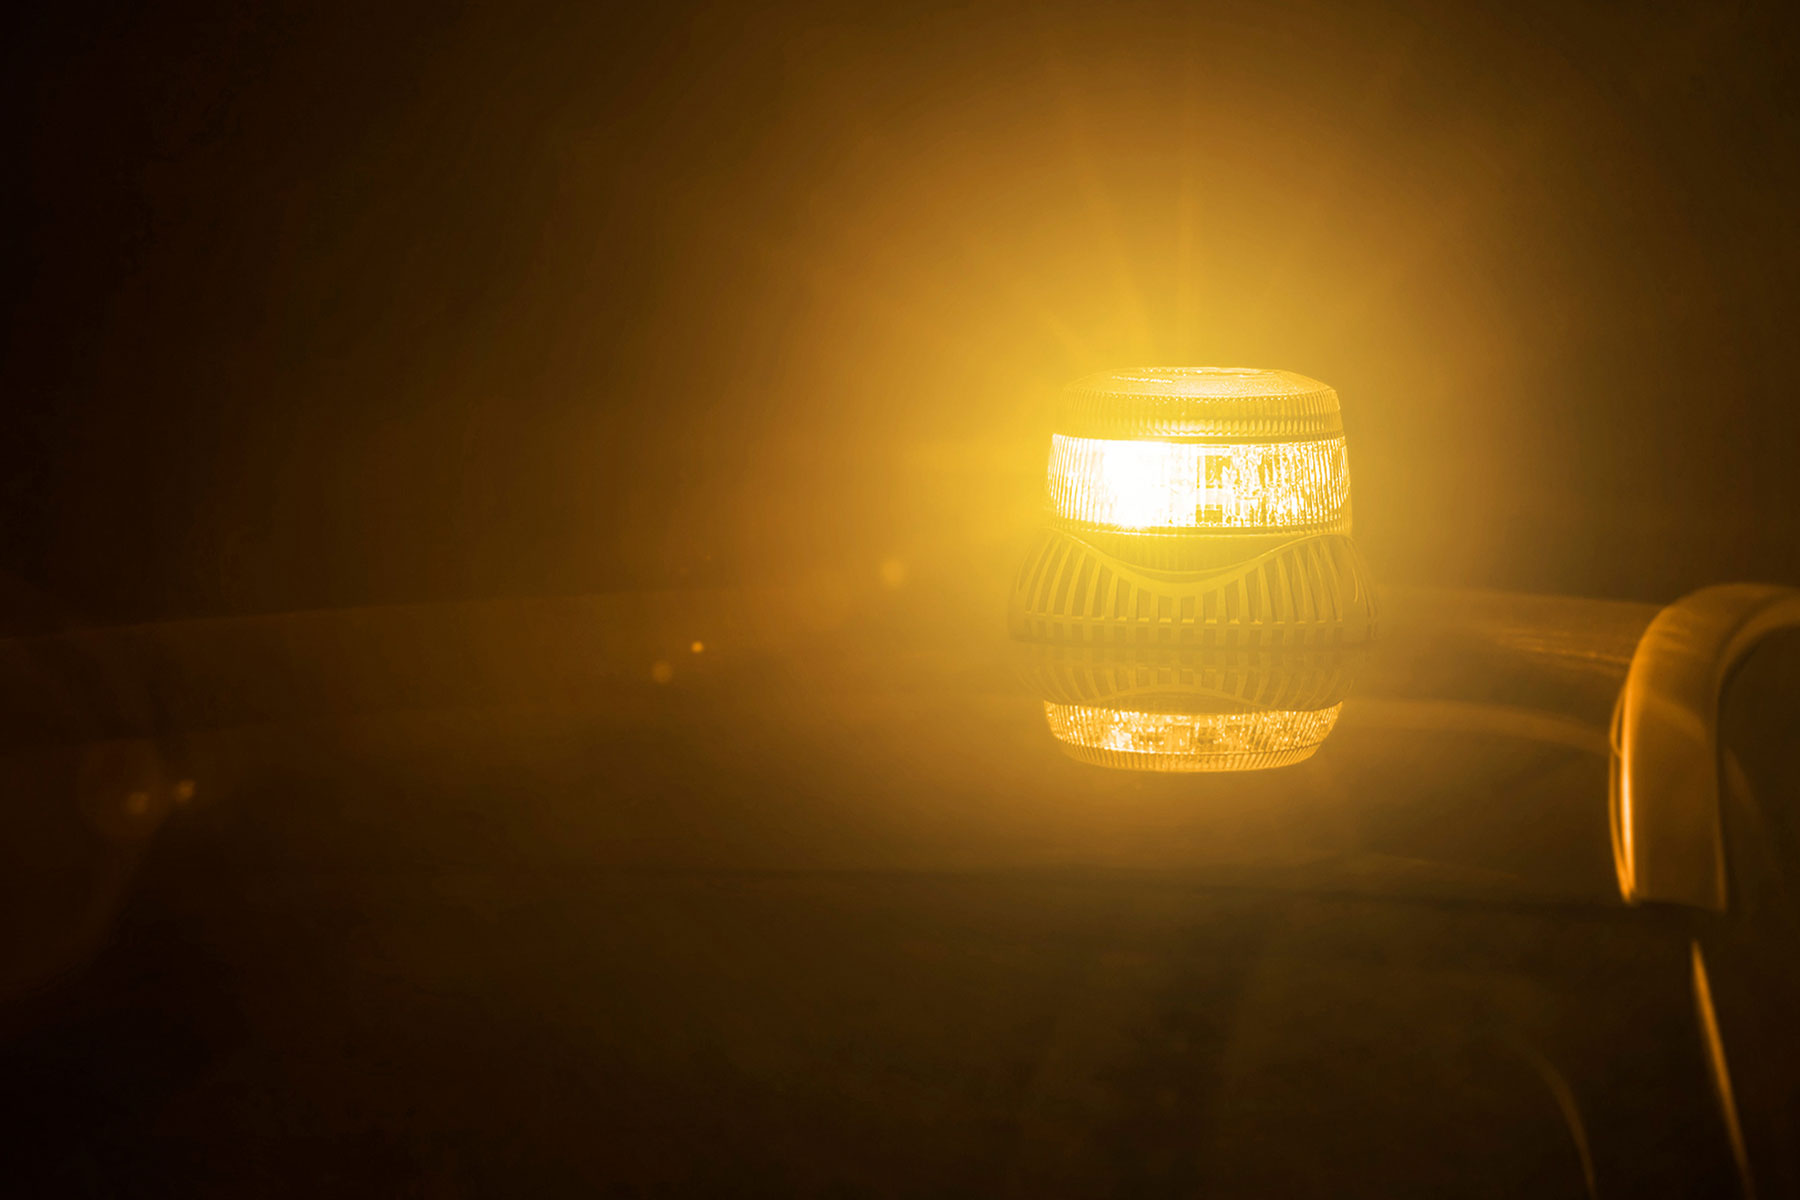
(538, 896)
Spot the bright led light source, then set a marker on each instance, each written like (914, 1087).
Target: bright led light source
(1203, 449)
(1196, 506)
(1197, 485)
(1219, 741)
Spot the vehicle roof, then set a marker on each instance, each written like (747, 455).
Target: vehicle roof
(1469, 758)
(540, 892)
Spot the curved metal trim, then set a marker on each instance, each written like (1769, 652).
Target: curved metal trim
(1667, 843)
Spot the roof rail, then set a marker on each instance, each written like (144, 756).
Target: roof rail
(1667, 840)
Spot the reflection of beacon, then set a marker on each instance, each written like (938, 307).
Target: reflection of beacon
(1151, 711)
(1196, 506)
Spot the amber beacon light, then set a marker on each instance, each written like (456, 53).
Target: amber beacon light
(1201, 506)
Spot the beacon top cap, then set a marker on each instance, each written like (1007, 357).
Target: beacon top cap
(1225, 403)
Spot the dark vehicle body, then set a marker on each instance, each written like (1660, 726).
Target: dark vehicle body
(742, 891)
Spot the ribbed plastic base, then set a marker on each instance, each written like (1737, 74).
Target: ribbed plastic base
(1187, 681)
(1310, 592)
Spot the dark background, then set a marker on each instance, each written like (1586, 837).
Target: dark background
(325, 304)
